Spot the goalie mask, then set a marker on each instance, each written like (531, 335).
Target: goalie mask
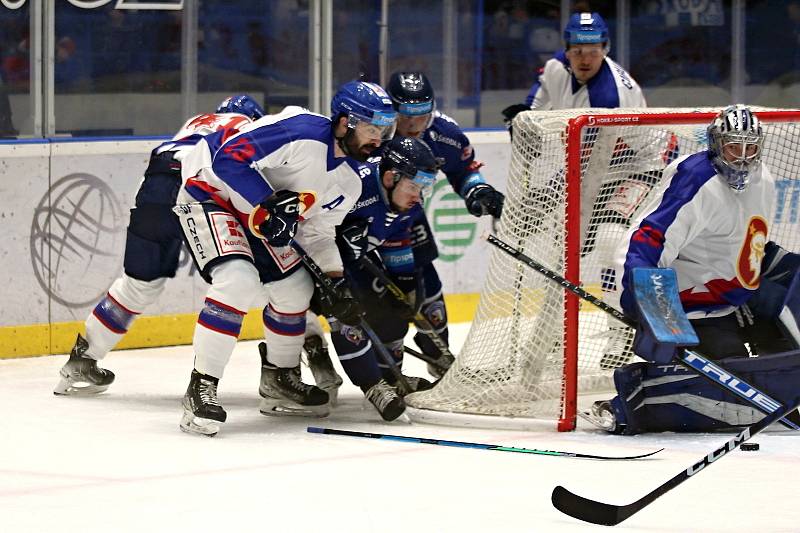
(735, 140)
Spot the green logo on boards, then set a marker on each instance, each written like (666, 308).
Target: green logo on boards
(453, 227)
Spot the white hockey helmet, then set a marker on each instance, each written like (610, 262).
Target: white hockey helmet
(735, 140)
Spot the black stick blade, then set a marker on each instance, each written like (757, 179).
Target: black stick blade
(595, 512)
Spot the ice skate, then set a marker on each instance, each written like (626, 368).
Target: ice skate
(618, 350)
(319, 361)
(201, 408)
(386, 400)
(80, 375)
(602, 416)
(284, 393)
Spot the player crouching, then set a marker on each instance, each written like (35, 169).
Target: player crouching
(738, 289)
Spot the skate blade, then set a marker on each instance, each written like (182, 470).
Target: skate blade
(402, 419)
(273, 407)
(198, 426)
(333, 395)
(67, 387)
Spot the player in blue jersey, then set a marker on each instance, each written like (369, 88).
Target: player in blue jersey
(289, 177)
(380, 225)
(710, 222)
(581, 75)
(417, 117)
(152, 247)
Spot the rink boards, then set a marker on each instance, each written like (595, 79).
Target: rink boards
(64, 215)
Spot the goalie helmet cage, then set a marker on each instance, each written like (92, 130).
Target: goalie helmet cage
(577, 179)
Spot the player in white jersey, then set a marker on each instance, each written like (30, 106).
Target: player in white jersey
(582, 75)
(710, 223)
(152, 247)
(287, 177)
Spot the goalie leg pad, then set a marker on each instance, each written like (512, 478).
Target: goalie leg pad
(653, 397)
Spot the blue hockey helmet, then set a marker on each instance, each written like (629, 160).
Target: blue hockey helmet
(364, 102)
(585, 28)
(410, 158)
(243, 104)
(735, 140)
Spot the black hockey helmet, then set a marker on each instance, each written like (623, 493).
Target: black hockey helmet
(411, 93)
(410, 158)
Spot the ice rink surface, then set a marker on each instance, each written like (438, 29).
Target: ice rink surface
(118, 463)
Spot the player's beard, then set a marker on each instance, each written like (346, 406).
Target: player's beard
(359, 152)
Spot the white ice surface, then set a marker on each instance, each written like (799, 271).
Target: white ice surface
(117, 462)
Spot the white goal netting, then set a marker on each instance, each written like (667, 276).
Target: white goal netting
(515, 364)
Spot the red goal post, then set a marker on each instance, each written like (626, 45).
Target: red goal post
(576, 180)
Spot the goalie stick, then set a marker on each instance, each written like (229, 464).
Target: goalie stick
(688, 358)
(459, 444)
(608, 514)
(419, 318)
(326, 284)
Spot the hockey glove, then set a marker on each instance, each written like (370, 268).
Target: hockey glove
(483, 199)
(283, 208)
(510, 112)
(407, 308)
(341, 304)
(352, 240)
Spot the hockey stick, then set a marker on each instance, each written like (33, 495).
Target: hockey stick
(688, 358)
(608, 514)
(419, 318)
(459, 444)
(326, 284)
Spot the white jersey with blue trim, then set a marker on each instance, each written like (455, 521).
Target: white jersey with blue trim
(557, 88)
(712, 236)
(292, 150)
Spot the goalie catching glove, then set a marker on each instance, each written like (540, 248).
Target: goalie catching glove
(483, 199)
(282, 214)
(339, 303)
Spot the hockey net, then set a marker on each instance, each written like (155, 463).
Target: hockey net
(576, 180)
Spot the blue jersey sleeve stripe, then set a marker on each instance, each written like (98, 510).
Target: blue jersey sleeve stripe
(246, 181)
(647, 242)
